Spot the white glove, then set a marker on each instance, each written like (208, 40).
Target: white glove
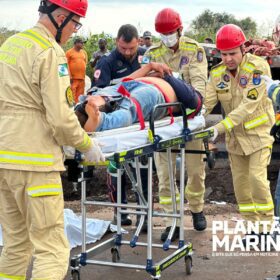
(95, 153)
(269, 82)
(215, 133)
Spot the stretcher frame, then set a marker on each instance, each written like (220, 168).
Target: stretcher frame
(183, 249)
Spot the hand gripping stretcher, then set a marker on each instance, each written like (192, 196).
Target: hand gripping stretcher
(160, 136)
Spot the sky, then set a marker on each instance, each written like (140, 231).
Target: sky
(109, 15)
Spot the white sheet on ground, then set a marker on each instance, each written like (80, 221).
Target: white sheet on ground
(73, 229)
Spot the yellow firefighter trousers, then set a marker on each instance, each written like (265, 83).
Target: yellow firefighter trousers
(32, 226)
(251, 186)
(195, 188)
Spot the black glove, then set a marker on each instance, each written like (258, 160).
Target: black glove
(275, 132)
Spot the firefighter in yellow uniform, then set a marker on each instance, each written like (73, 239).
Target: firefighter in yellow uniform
(185, 56)
(237, 83)
(35, 121)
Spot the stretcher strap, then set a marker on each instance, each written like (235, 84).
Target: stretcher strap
(122, 90)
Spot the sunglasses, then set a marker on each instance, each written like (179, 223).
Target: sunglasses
(78, 25)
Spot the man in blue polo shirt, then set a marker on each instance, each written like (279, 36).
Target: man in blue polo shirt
(122, 61)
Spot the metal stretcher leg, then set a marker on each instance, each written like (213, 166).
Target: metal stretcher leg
(173, 198)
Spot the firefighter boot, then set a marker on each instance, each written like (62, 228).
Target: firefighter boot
(125, 219)
(273, 278)
(145, 225)
(199, 221)
(175, 236)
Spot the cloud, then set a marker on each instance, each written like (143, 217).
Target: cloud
(109, 15)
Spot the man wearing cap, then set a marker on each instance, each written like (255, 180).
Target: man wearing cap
(77, 62)
(238, 84)
(148, 40)
(102, 45)
(35, 120)
(185, 56)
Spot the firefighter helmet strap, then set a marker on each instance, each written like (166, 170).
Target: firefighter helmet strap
(48, 10)
(59, 29)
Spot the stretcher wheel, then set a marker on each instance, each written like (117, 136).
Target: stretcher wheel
(75, 275)
(211, 160)
(188, 265)
(115, 255)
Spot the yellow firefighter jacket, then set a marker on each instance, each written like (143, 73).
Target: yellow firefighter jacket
(35, 118)
(189, 61)
(249, 111)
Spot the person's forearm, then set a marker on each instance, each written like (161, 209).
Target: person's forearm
(91, 125)
(142, 72)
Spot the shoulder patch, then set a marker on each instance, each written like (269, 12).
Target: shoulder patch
(243, 81)
(199, 56)
(97, 73)
(252, 94)
(257, 77)
(63, 70)
(70, 97)
(184, 60)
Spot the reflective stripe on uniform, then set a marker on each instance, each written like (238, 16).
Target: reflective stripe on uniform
(193, 194)
(227, 122)
(217, 72)
(187, 47)
(157, 53)
(86, 143)
(247, 207)
(274, 94)
(256, 122)
(34, 36)
(264, 207)
(248, 67)
(9, 277)
(253, 207)
(44, 190)
(26, 158)
(167, 200)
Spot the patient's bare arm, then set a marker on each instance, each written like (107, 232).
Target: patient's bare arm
(93, 116)
(158, 68)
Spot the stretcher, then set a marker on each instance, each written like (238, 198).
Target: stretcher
(157, 136)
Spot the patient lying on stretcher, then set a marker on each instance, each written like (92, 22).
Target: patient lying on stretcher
(134, 98)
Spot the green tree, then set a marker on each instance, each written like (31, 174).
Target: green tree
(5, 34)
(208, 23)
(91, 45)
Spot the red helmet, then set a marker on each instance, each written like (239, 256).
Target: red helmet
(229, 36)
(78, 7)
(167, 21)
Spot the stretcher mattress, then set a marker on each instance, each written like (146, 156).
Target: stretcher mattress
(126, 138)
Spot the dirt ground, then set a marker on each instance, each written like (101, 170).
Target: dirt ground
(206, 265)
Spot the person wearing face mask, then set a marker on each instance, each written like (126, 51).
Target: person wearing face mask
(185, 56)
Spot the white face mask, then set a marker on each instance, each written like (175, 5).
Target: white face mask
(169, 40)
